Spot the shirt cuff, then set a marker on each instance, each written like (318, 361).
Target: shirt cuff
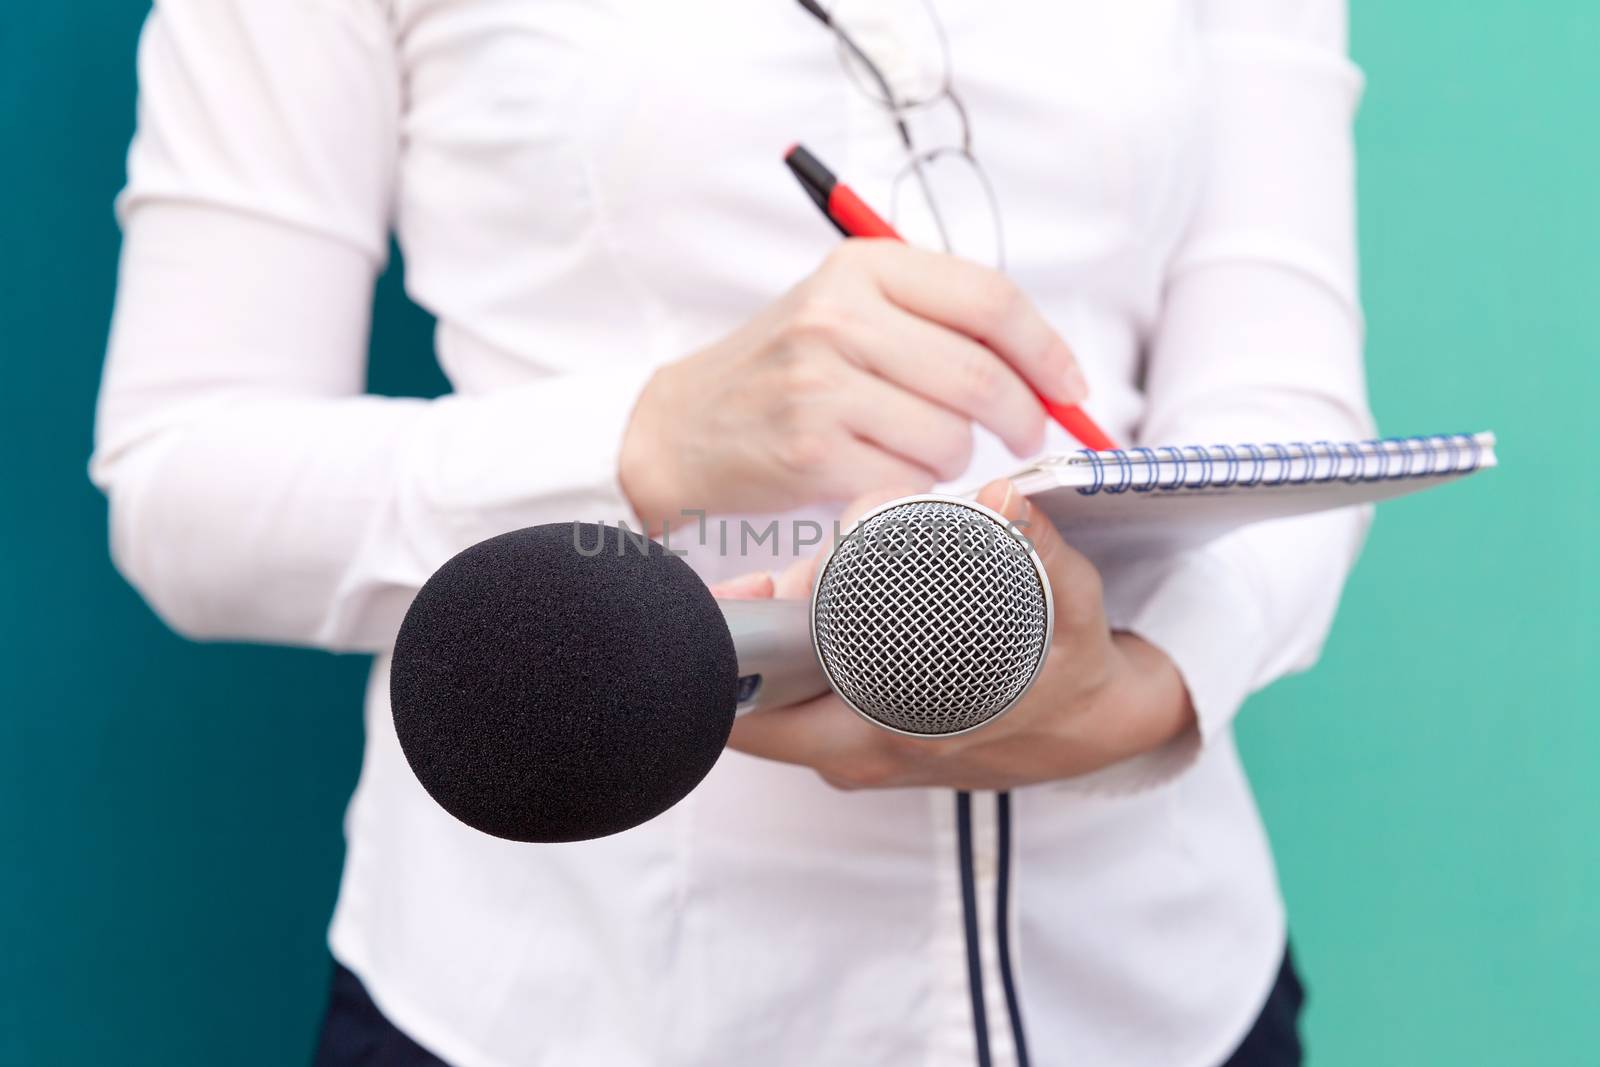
(484, 464)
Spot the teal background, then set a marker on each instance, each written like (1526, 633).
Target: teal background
(169, 812)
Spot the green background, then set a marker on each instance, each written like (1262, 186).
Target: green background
(169, 813)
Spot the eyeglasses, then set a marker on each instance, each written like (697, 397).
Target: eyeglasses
(896, 53)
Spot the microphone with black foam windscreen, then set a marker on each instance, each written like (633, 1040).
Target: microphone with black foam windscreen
(569, 681)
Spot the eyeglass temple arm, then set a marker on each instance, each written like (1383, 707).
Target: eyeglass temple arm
(820, 13)
(817, 11)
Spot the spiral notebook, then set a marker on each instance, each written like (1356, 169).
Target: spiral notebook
(1167, 498)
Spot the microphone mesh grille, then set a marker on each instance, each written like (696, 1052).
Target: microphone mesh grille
(931, 617)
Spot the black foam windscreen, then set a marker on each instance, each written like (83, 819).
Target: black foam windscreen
(562, 682)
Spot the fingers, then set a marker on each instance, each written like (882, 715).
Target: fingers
(919, 431)
(953, 371)
(803, 734)
(758, 586)
(979, 302)
(943, 343)
(860, 466)
(823, 734)
(794, 582)
(1074, 581)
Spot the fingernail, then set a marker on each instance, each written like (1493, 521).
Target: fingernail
(1009, 502)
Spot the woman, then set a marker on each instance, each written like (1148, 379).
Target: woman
(641, 316)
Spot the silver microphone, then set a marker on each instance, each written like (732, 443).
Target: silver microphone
(931, 617)
(777, 660)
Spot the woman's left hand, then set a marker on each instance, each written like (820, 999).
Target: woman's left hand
(1101, 697)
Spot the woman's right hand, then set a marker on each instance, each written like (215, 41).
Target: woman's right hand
(870, 372)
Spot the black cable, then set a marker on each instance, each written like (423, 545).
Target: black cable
(969, 913)
(1002, 917)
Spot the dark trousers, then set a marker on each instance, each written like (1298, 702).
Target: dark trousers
(355, 1033)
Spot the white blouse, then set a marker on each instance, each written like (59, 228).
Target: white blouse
(585, 190)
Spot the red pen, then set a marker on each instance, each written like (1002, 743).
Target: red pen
(853, 218)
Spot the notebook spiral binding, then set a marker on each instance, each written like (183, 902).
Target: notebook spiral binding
(1296, 463)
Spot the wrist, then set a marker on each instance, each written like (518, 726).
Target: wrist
(1143, 704)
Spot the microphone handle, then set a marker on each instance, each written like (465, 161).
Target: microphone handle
(778, 663)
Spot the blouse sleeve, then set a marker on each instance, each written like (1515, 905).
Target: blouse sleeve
(255, 493)
(1259, 339)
